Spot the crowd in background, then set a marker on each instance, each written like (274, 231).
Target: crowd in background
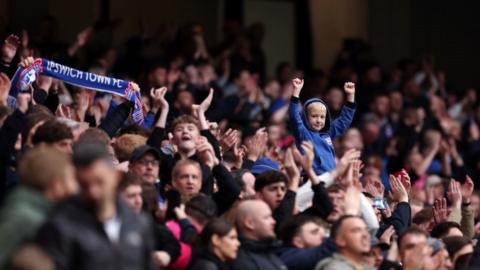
(228, 170)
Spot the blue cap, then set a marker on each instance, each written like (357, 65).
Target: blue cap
(264, 164)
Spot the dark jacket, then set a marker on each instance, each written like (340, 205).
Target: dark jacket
(207, 261)
(306, 258)
(400, 219)
(75, 239)
(257, 255)
(322, 140)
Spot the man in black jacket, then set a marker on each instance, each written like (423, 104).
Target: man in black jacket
(257, 235)
(96, 230)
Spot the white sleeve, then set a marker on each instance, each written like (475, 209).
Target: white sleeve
(327, 178)
(368, 215)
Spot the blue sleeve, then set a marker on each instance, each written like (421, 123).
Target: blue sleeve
(149, 120)
(296, 122)
(300, 258)
(343, 121)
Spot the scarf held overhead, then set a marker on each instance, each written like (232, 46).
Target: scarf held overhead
(24, 77)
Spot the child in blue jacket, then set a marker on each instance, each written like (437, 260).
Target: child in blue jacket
(314, 124)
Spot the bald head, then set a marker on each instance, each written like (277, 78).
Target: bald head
(255, 221)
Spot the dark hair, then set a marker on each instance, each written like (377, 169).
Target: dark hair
(85, 153)
(292, 227)
(201, 208)
(424, 215)
(128, 179)
(31, 120)
(94, 134)
(454, 243)
(150, 198)
(411, 230)
(52, 131)
(238, 176)
(269, 177)
(337, 225)
(440, 230)
(218, 226)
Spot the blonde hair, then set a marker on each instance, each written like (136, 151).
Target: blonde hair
(317, 105)
(125, 144)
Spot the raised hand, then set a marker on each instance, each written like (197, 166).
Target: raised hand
(467, 189)
(82, 37)
(257, 145)
(205, 152)
(405, 180)
(206, 102)
(349, 88)
(440, 211)
(346, 159)
(398, 191)
(9, 48)
(455, 193)
(158, 99)
(297, 86)
(386, 236)
(292, 170)
(26, 62)
(229, 139)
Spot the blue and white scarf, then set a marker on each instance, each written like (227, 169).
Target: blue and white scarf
(24, 77)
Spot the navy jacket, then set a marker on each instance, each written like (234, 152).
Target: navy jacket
(306, 258)
(322, 140)
(400, 219)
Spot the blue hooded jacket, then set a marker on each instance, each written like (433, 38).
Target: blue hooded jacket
(324, 160)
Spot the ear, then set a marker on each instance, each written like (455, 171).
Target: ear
(298, 242)
(340, 242)
(216, 241)
(54, 189)
(249, 224)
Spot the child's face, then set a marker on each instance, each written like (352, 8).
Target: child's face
(317, 113)
(185, 135)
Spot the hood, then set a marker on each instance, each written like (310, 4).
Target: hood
(305, 113)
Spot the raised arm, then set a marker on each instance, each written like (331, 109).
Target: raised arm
(294, 110)
(343, 121)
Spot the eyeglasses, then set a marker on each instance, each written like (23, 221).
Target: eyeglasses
(147, 162)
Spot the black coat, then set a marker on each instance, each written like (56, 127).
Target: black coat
(75, 239)
(207, 261)
(257, 255)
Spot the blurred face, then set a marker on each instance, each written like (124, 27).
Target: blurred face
(454, 232)
(146, 167)
(381, 106)
(396, 101)
(335, 99)
(273, 194)
(185, 135)
(409, 242)
(263, 222)
(317, 114)
(158, 77)
(184, 101)
(310, 235)
(64, 146)
(98, 182)
(337, 198)
(249, 190)
(66, 186)
(353, 237)
(188, 181)
(352, 140)
(132, 195)
(227, 246)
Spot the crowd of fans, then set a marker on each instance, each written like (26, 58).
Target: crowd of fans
(376, 170)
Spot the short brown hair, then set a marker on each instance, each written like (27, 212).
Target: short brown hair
(41, 165)
(125, 144)
(185, 119)
(95, 134)
(128, 179)
(182, 163)
(52, 131)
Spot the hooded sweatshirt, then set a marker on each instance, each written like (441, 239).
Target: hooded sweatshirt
(324, 160)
